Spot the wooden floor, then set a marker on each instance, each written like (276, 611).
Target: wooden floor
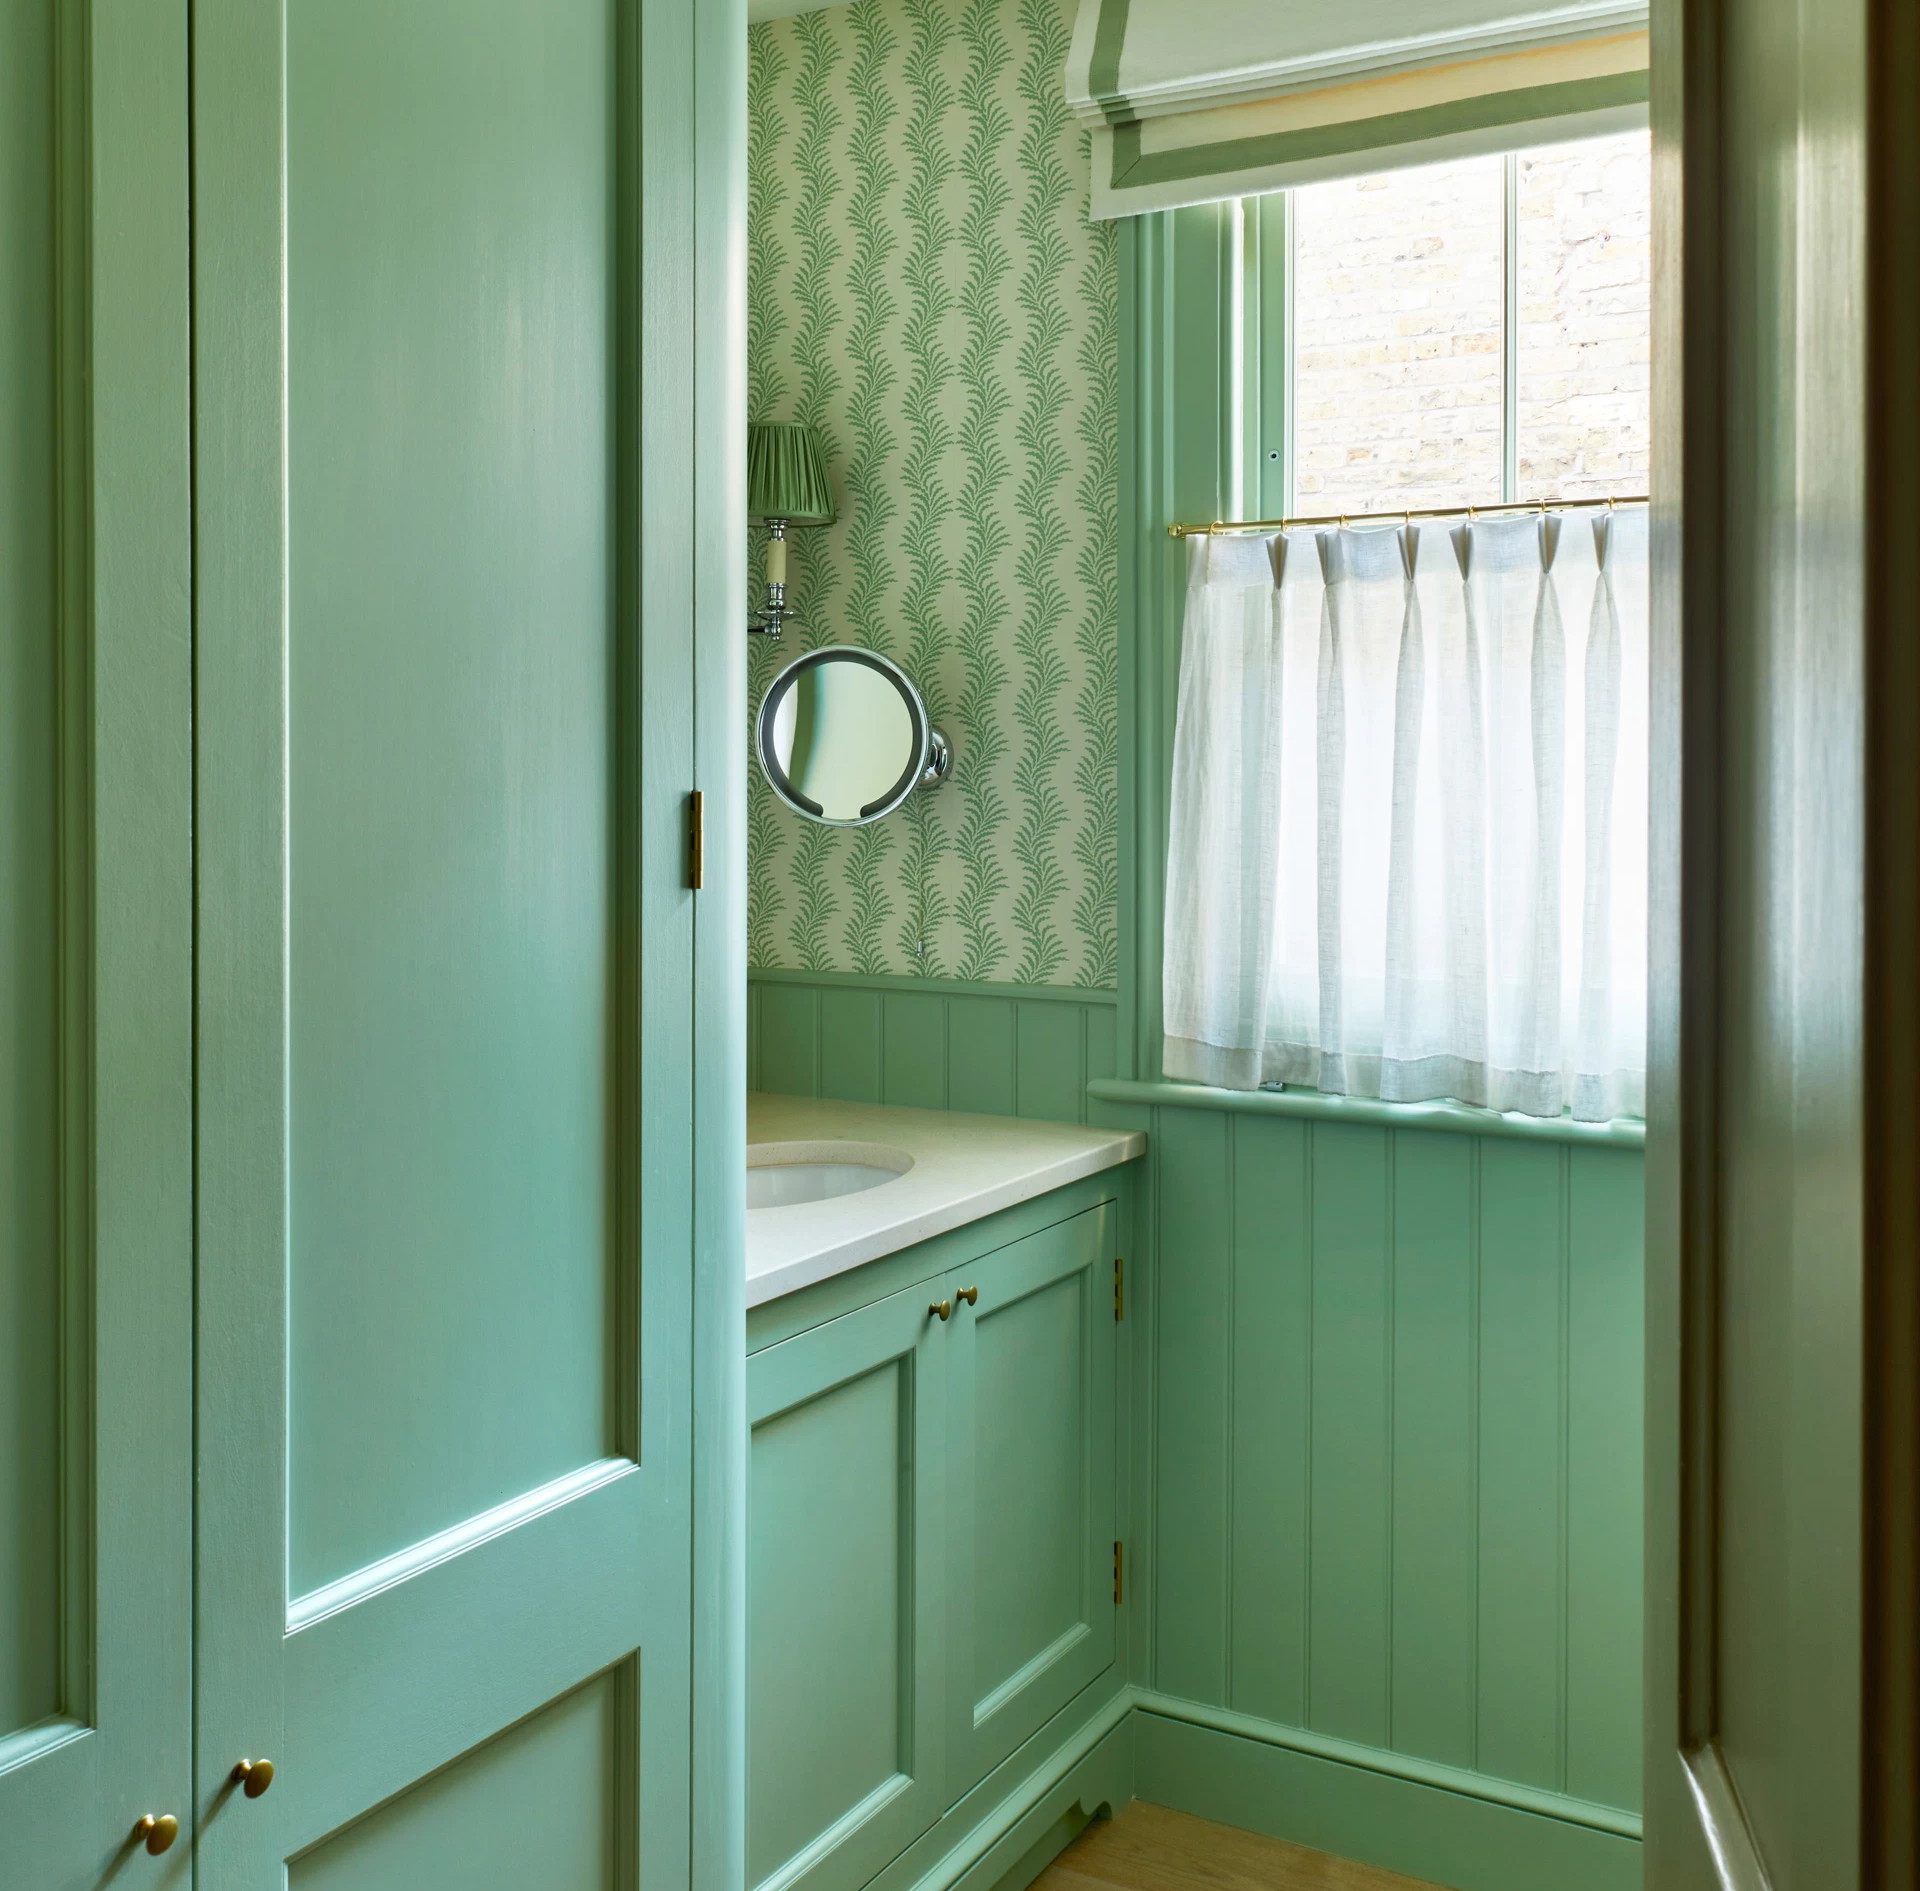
(1148, 1848)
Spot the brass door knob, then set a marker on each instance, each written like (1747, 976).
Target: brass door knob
(157, 1833)
(253, 1777)
(971, 1295)
(941, 1309)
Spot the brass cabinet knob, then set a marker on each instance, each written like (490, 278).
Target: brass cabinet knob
(157, 1834)
(971, 1295)
(253, 1777)
(941, 1309)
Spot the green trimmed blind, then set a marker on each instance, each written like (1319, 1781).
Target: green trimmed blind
(1189, 105)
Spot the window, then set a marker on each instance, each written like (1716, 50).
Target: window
(1407, 831)
(1462, 334)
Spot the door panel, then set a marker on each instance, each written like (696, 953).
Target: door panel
(1783, 1696)
(451, 191)
(846, 1636)
(1030, 1427)
(537, 1806)
(445, 1365)
(95, 942)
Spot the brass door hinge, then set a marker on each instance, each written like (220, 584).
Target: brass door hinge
(1119, 1288)
(696, 839)
(1116, 1575)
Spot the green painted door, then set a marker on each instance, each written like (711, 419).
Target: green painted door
(1030, 1437)
(96, 948)
(846, 1622)
(443, 335)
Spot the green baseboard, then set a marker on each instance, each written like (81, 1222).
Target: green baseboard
(1030, 1806)
(1447, 1838)
(1046, 1848)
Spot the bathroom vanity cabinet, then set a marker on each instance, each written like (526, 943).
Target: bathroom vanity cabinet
(932, 1560)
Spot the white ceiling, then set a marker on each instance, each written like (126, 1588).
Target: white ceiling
(779, 9)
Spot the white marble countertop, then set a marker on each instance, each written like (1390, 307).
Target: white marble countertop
(964, 1167)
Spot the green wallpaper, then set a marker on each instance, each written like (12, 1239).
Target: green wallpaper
(925, 287)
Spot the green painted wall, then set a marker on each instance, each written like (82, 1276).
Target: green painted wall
(925, 288)
(1395, 1449)
(1384, 1415)
(930, 1044)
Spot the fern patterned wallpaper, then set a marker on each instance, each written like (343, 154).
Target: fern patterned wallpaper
(926, 289)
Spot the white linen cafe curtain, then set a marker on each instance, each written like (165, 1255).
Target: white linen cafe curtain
(1408, 844)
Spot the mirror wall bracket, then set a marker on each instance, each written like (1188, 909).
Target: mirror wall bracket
(939, 769)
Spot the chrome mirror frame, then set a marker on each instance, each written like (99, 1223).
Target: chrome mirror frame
(930, 765)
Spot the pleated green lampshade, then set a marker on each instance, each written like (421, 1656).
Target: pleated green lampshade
(787, 474)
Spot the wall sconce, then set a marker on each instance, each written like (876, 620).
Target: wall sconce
(786, 485)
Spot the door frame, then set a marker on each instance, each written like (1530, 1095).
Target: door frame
(72, 1787)
(1847, 127)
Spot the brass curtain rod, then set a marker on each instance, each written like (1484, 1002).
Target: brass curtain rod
(1406, 516)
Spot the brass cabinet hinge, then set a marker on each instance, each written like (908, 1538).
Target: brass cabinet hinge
(696, 840)
(1116, 1575)
(1119, 1288)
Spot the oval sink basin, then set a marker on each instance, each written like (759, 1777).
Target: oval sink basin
(781, 1174)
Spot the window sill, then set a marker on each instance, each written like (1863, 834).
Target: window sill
(1624, 1132)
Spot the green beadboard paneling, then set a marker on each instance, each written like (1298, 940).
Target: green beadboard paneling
(924, 1044)
(1395, 1442)
(1433, 1348)
(1604, 1550)
(1350, 1184)
(850, 1040)
(981, 1064)
(1194, 1316)
(1522, 1451)
(925, 287)
(1271, 1420)
(914, 1052)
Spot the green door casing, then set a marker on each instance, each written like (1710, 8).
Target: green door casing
(446, 566)
(96, 1068)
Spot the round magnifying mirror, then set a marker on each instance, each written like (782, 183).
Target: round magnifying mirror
(844, 737)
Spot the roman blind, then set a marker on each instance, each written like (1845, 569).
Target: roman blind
(1194, 102)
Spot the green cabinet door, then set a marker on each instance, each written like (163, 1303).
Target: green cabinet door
(1030, 1435)
(846, 1621)
(96, 947)
(445, 436)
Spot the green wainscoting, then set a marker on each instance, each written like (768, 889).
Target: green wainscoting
(1390, 1448)
(929, 1044)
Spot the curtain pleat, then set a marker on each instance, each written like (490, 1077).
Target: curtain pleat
(1407, 849)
